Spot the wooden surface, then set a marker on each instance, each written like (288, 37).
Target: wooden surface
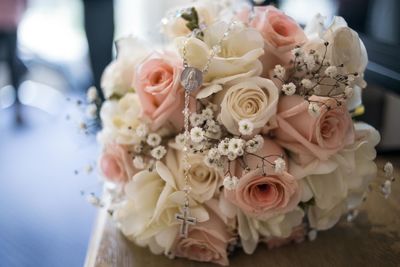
(372, 239)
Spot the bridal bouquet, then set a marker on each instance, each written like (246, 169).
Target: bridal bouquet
(238, 132)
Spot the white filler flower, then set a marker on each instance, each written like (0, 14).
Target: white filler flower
(246, 127)
(158, 152)
(230, 182)
(289, 88)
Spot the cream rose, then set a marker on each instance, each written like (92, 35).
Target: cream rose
(340, 183)
(148, 214)
(252, 230)
(254, 99)
(174, 26)
(345, 47)
(204, 181)
(119, 75)
(120, 119)
(238, 57)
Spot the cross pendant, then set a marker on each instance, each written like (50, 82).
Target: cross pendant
(185, 220)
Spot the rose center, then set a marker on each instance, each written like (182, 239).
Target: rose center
(263, 187)
(281, 29)
(157, 77)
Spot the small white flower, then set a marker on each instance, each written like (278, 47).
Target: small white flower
(142, 130)
(279, 71)
(307, 83)
(153, 139)
(150, 164)
(236, 146)
(207, 113)
(314, 109)
(213, 153)
(209, 161)
(138, 163)
(223, 147)
(82, 126)
(259, 140)
(352, 215)
(279, 165)
(91, 94)
(246, 127)
(350, 78)
(310, 61)
(331, 71)
(88, 169)
(312, 235)
(94, 200)
(298, 52)
(214, 132)
(289, 88)
(158, 152)
(138, 148)
(386, 188)
(348, 91)
(211, 123)
(388, 169)
(251, 146)
(230, 182)
(91, 111)
(212, 106)
(180, 140)
(197, 134)
(231, 156)
(196, 119)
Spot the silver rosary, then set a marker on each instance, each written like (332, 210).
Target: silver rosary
(191, 80)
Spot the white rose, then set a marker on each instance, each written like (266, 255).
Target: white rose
(174, 26)
(238, 57)
(203, 180)
(254, 99)
(148, 214)
(251, 230)
(345, 47)
(120, 119)
(118, 76)
(339, 184)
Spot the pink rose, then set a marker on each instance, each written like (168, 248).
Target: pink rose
(297, 236)
(281, 34)
(116, 164)
(309, 136)
(264, 194)
(206, 242)
(158, 87)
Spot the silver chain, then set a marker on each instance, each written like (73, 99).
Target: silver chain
(215, 49)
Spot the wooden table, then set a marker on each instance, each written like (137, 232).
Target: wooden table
(372, 239)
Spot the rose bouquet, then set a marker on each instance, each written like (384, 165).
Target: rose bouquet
(239, 132)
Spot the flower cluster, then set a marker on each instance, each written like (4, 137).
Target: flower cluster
(272, 154)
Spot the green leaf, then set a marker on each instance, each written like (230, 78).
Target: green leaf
(186, 16)
(195, 15)
(191, 25)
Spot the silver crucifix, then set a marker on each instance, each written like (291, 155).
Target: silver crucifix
(185, 220)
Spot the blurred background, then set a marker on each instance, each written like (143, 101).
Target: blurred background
(51, 51)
